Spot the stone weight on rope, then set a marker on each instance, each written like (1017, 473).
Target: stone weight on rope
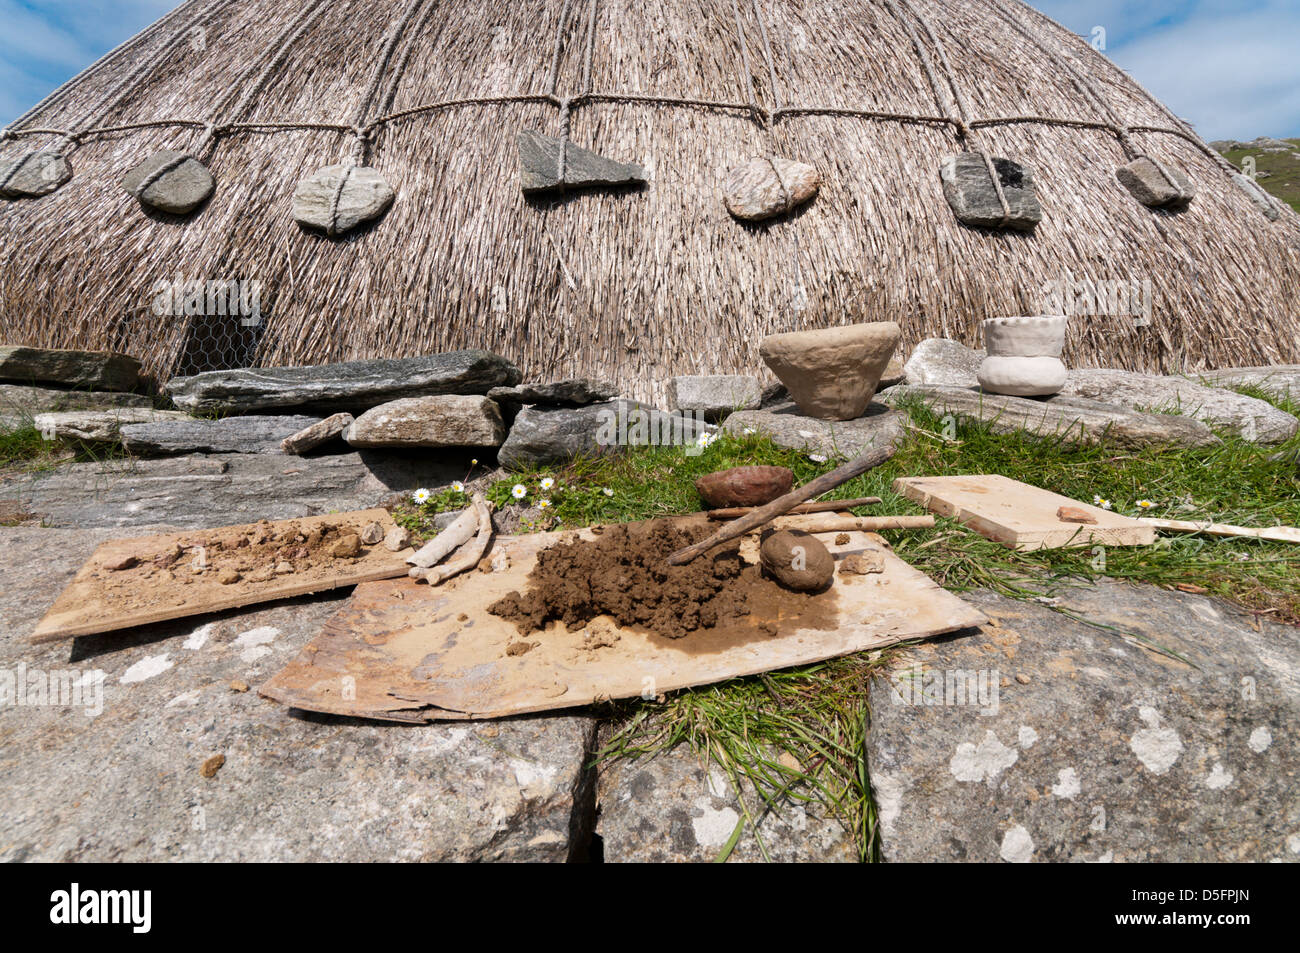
(1257, 195)
(1156, 185)
(540, 169)
(764, 187)
(33, 175)
(338, 198)
(171, 182)
(974, 199)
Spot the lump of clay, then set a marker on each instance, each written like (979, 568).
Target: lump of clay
(832, 373)
(170, 182)
(767, 186)
(797, 561)
(1024, 356)
(744, 486)
(33, 175)
(338, 198)
(974, 199)
(1156, 184)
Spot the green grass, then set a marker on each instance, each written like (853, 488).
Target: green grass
(817, 715)
(1284, 178)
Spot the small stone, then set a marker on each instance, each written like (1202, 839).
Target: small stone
(539, 166)
(1072, 514)
(33, 175)
(263, 574)
(317, 434)
(212, 765)
(338, 198)
(1155, 184)
(768, 186)
(974, 200)
(842, 539)
(744, 486)
(797, 560)
(515, 649)
(832, 373)
(500, 561)
(117, 564)
(939, 362)
(228, 577)
(239, 685)
(348, 547)
(283, 568)
(862, 564)
(170, 182)
(1023, 679)
(398, 538)
(373, 534)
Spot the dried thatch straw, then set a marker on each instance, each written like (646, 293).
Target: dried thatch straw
(641, 285)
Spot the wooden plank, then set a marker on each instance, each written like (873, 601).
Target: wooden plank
(400, 651)
(99, 600)
(1021, 516)
(1273, 534)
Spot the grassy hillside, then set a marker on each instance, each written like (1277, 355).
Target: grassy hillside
(1279, 172)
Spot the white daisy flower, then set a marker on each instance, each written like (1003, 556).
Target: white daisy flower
(421, 496)
(817, 457)
(458, 486)
(547, 483)
(519, 491)
(607, 491)
(1145, 504)
(1097, 500)
(543, 504)
(749, 431)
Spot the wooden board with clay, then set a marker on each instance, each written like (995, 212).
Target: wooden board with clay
(402, 651)
(1021, 516)
(103, 600)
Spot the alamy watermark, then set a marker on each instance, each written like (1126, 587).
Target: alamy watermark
(68, 688)
(947, 687)
(194, 297)
(1105, 297)
(633, 426)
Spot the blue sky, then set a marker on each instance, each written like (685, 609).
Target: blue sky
(1228, 66)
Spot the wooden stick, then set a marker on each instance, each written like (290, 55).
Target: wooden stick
(826, 506)
(440, 547)
(471, 553)
(783, 504)
(847, 524)
(1276, 534)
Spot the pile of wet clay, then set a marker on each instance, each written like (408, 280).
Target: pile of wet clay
(624, 574)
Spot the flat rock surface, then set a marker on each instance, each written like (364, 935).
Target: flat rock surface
(93, 370)
(940, 362)
(1283, 378)
(1071, 420)
(351, 386)
(714, 396)
(127, 784)
(572, 392)
(228, 435)
(444, 420)
(539, 166)
(673, 808)
(1250, 418)
(786, 427)
(99, 426)
(544, 435)
(1094, 748)
(23, 401)
(221, 489)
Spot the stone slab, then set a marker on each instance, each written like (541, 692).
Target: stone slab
(879, 427)
(92, 370)
(228, 435)
(1095, 748)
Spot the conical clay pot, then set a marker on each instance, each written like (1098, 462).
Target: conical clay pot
(832, 373)
(1024, 356)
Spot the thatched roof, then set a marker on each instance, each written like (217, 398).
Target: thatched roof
(634, 285)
